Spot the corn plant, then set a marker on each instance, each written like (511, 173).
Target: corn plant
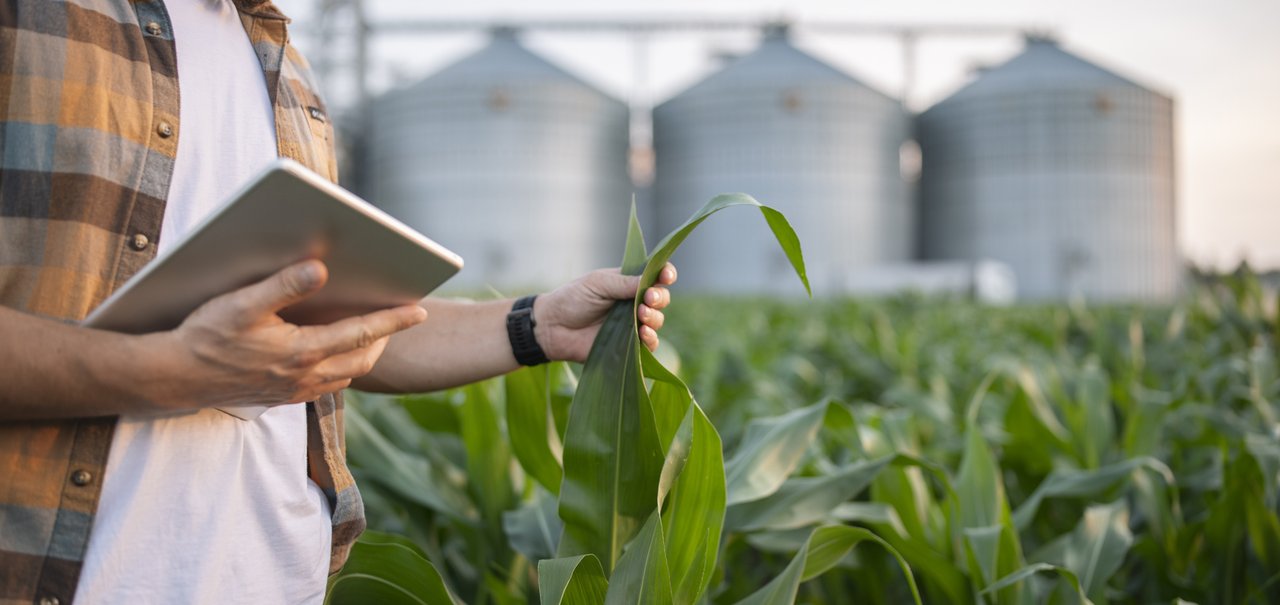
(638, 471)
(1031, 454)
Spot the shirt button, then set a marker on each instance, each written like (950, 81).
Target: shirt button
(82, 478)
(165, 129)
(153, 28)
(140, 241)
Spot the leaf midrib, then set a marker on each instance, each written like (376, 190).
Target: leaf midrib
(614, 551)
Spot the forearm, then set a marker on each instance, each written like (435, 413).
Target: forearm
(461, 342)
(234, 350)
(464, 342)
(53, 370)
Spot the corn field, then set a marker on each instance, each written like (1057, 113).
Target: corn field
(837, 451)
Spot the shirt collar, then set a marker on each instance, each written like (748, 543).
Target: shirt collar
(265, 10)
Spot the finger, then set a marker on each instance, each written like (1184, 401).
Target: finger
(649, 338)
(315, 392)
(350, 365)
(321, 342)
(657, 297)
(667, 275)
(286, 287)
(650, 317)
(611, 284)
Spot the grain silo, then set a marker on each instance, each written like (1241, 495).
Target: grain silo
(508, 160)
(798, 135)
(1061, 169)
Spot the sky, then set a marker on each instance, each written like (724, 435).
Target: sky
(1220, 61)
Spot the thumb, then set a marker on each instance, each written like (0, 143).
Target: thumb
(613, 285)
(286, 287)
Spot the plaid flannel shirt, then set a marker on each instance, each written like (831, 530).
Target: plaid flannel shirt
(89, 128)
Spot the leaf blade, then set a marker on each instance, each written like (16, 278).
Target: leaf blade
(571, 581)
(824, 548)
(533, 436)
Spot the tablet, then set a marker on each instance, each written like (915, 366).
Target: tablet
(285, 215)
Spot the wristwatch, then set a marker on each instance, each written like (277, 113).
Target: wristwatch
(520, 326)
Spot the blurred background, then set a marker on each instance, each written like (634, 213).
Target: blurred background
(995, 149)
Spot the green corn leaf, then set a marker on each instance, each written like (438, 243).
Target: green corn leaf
(695, 513)
(356, 589)
(1261, 591)
(938, 570)
(1265, 451)
(1097, 436)
(382, 569)
(1035, 568)
(770, 450)
(571, 581)
(841, 429)
(1095, 550)
(913, 520)
(805, 500)
(613, 458)
(1240, 520)
(634, 254)
(488, 459)
(781, 541)
(534, 439)
(991, 545)
(825, 548)
(1040, 406)
(533, 530)
(670, 397)
(872, 513)
(1101, 541)
(1071, 483)
(432, 413)
(979, 486)
(614, 454)
(935, 568)
(782, 230)
(831, 543)
(642, 576)
(563, 382)
(905, 491)
(992, 552)
(677, 456)
(408, 475)
(692, 484)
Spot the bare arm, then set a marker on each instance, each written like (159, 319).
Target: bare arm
(233, 351)
(462, 343)
(53, 370)
(467, 341)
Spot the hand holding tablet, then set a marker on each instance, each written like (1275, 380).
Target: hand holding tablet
(286, 215)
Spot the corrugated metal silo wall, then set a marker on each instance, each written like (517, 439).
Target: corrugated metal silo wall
(825, 154)
(525, 178)
(1074, 188)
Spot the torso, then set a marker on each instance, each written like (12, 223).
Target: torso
(204, 507)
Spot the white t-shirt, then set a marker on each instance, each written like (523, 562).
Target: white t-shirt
(204, 507)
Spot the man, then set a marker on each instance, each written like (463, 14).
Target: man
(118, 481)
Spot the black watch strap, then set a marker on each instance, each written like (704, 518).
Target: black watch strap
(520, 326)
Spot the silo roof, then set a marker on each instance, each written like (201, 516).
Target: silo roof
(503, 60)
(776, 63)
(1043, 64)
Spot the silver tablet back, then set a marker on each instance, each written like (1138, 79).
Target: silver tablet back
(286, 215)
